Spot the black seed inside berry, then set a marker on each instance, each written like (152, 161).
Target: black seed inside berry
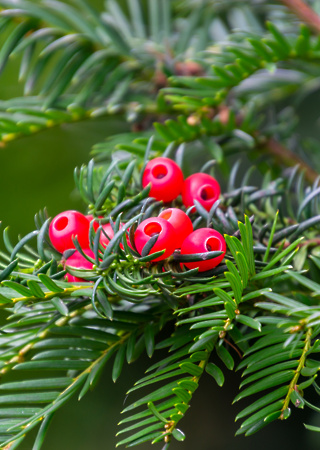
(204, 195)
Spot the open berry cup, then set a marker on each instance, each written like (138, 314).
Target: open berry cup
(201, 187)
(166, 179)
(204, 240)
(65, 226)
(180, 222)
(158, 232)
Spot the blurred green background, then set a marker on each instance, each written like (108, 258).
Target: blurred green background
(38, 171)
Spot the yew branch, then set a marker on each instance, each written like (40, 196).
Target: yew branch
(304, 12)
(287, 157)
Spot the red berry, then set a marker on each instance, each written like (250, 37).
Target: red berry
(107, 228)
(104, 241)
(78, 262)
(66, 225)
(201, 187)
(90, 217)
(201, 241)
(180, 222)
(166, 179)
(167, 236)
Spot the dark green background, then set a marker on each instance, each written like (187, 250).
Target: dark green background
(38, 171)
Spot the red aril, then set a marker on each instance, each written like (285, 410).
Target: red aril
(166, 240)
(78, 261)
(180, 222)
(201, 187)
(204, 240)
(166, 179)
(66, 225)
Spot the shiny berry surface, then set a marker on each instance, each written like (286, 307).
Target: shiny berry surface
(166, 240)
(180, 222)
(201, 241)
(95, 223)
(66, 225)
(166, 179)
(107, 228)
(78, 261)
(201, 187)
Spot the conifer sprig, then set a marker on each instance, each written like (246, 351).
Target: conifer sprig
(204, 95)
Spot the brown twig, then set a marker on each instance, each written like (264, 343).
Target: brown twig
(304, 12)
(289, 158)
(314, 241)
(281, 153)
(234, 347)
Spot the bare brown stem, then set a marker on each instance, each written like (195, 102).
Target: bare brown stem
(234, 347)
(289, 158)
(304, 12)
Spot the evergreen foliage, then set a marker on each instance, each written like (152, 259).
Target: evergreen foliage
(202, 77)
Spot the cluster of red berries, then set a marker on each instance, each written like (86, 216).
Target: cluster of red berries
(175, 231)
(167, 182)
(173, 228)
(68, 224)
